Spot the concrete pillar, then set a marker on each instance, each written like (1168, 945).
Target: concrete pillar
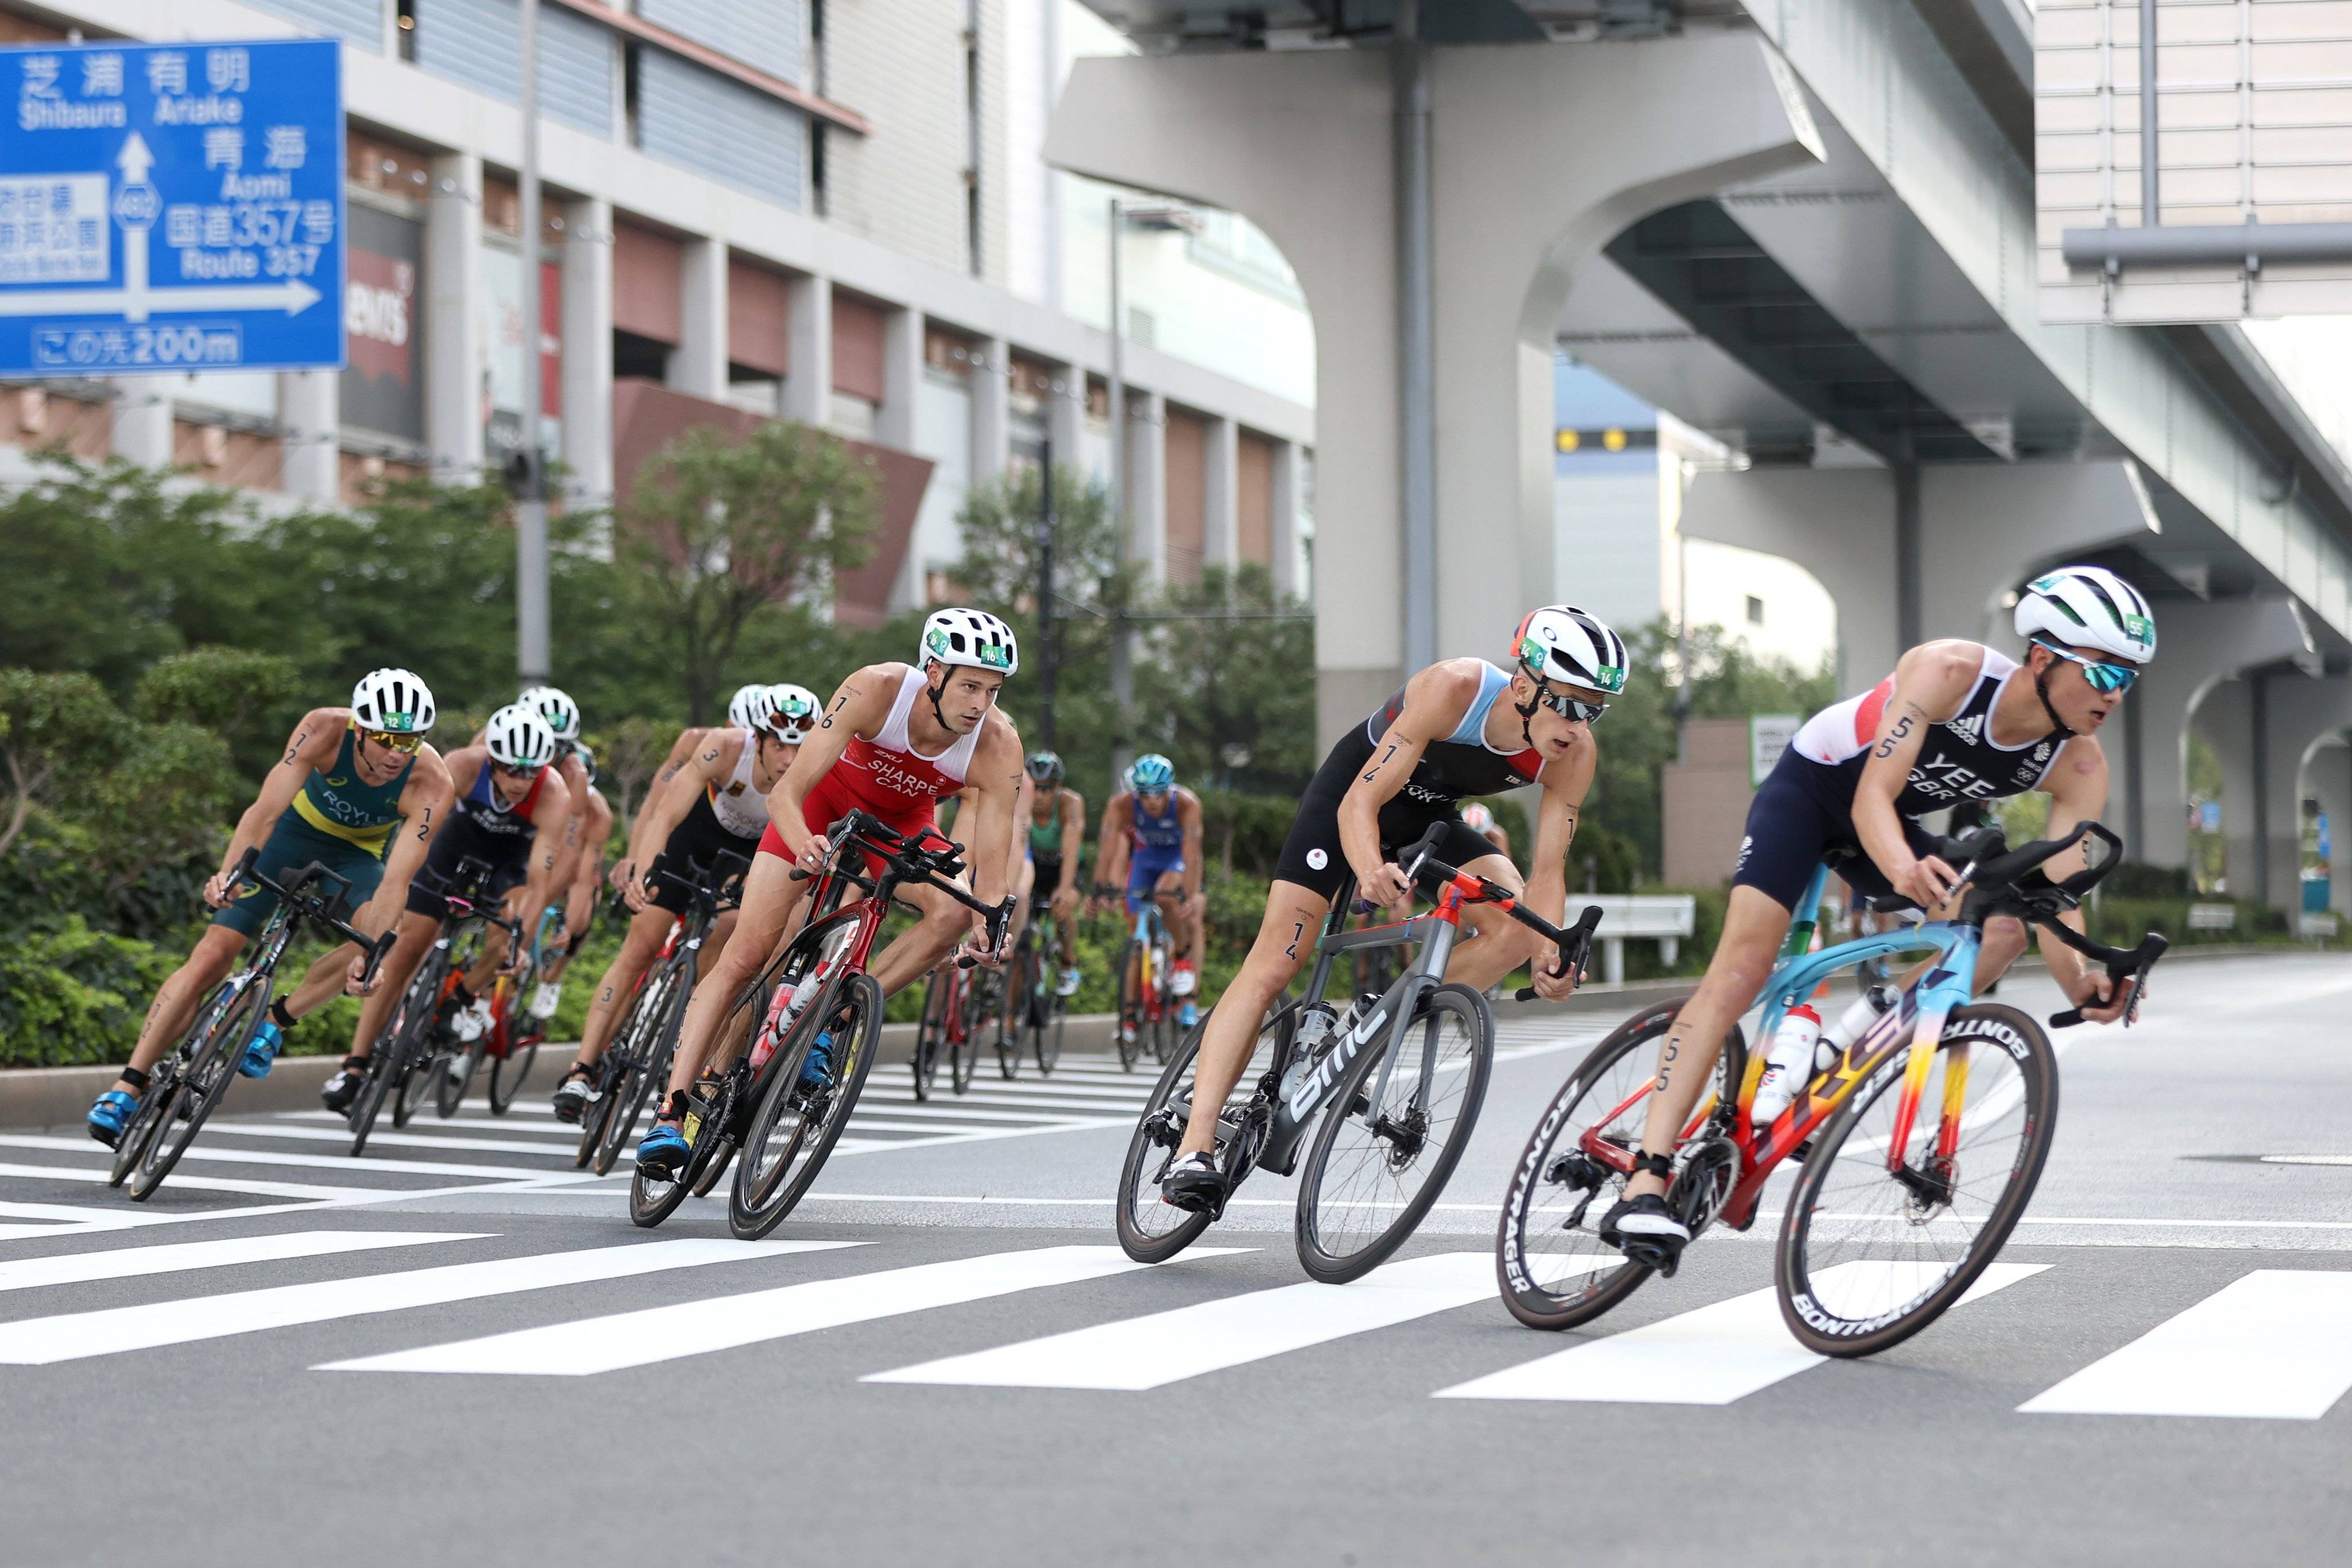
(2199, 646)
(1287, 567)
(1146, 476)
(895, 425)
(143, 421)
(991, 410)
(1836, 523)
(456, 319)
(2303, 722)
(1221, 532)
(2327, 779)
(700, 366)
(1302, 142)
(2224, 720)
(1066, 419)
(588, 352)
(309, 411)
(808, 389)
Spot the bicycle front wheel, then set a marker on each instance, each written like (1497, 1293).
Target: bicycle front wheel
(198, 1089)
(1374, 1171)
(931, 1033)
(644, 1073)
(1054, 1008)
(796, 1127)
(1152, 1230)
(1880, 1241)
(401, 1038)
(1127, 1021)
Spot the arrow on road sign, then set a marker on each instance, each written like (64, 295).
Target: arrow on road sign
(134, 159)
(295, 297)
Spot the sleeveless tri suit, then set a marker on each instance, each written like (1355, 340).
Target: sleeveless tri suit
(886, 776)
(338, 820)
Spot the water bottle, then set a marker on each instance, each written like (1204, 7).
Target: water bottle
(1789, 1066)
(785, 1008)
(1315, 1024)
(1873, 1003)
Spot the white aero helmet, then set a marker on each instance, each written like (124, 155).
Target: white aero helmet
(796, 711)
(738, 706)
(393, 701)
(1561, 642)
(2088, 607)
(520, 737)
(973, 637)
(556, 706)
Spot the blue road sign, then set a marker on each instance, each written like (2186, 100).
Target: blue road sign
(170, 207)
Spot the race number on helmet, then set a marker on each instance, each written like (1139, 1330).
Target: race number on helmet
(518, 736)
(971, 637)
(2088, 607)
(393, 701)
(793, 713)
(1561, 642)
(556, 706)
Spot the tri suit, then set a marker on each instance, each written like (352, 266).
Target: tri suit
(885, 776)
(727, 819)
(1157, 846)
(481, 826)
(1804, 812)
(1045, 853)
(336, 819)
(1450, 771)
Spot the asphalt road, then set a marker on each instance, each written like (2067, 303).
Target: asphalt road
(459, 1345)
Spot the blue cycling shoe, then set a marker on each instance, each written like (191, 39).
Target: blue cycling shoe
(817, 1068)
(1188, 1015)
(110, 1116)
(663, 1154)
(261, 1050)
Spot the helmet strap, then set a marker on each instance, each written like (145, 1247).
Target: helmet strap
(2042, 690)
(935, 692)
(1527, 712)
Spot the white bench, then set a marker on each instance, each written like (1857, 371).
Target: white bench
(2212, 917)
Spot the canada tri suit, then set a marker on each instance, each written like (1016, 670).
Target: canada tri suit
(337, 821)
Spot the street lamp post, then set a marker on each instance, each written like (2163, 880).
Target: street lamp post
(534, 659)
(1045, 663)
(1122, 632)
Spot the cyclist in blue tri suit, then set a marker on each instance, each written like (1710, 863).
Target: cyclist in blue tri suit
(1151, 846)
(1955, 723)
(351, 782)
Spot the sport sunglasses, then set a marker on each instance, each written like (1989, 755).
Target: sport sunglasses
(392, 742)
(1574, 709)
(2104, 677)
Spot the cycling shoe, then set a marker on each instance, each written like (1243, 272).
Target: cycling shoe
(817, 1067)
(1195, 1185)
(110, 1116)
(339, 1092)
(575, 1093)
(1646, 1231)
(663, 1154)
(261, 1050)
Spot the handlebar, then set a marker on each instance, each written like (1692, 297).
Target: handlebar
(910, 859)
(704, 880)
(296, 894)
(1574, 944)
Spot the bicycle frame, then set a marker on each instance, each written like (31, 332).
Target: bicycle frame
(1915, 1024)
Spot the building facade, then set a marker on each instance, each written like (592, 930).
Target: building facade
(789, 208)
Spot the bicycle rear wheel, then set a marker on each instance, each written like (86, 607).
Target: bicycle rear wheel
(402, 1037)
(794, 1129)
(652, 1200)
(992, 1016)
(636, 1074)
(1048, 1012)
(1127, 1018)
(198, 1089)
(1372, 1172)
(1555, 1271)
(1152, 1230)
(964, 1050)
(1870, 1255)
(930, 1033)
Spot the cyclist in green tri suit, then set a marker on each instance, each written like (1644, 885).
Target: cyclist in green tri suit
(1057, 820)
(352, 781)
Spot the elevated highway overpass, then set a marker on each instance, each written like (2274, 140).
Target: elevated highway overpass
(1807, 229)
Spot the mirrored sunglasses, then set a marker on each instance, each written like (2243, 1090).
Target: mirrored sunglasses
(392, 742)
(2104, 677)
(1574, 709)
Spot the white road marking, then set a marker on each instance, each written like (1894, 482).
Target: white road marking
(1714, 1355)
(130, 1263)
(697, 1328)
(190, 1182)
(548, 1147)
(38, 1342)
(277, 1157)
(2308, 1159)
(1167, 1347)
(2275, 1345)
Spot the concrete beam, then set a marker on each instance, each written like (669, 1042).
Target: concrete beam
(2199, 647)
(1992, 526)
(1836, 523)
(2304, 719)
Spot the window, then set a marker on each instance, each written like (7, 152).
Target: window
(1755, 611)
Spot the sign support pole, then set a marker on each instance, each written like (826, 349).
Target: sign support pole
(533, 662)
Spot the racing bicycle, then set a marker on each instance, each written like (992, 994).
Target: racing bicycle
(189, 1083)
(1389, 1090)
(510, 1045)
(1919, 1143)
(959, 1008)
(635, 1062)
(1035, 1007)
(1148, 1004)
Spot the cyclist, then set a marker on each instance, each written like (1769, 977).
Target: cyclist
(513, 812)
(1056, 822)
(1457, 728)
(350, 780)
(719, 804)
(682, 750)
(579, 906)
(896, 739)
(1955, 723)
(1151, 845)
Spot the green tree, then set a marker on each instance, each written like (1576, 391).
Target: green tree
(717, 532)
(55, 730)
(244, 697)
(1234, 682)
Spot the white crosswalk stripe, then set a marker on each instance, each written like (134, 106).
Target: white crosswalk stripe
(131, 1262)
(2276, 1344)
(1714, 1355)
(39, 1342)
(1190, 1342)
(697, 1328)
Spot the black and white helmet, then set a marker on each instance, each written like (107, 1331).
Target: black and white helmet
(2088, 607)
(738, 706)
(556, 706)
(518, 737)
(1561, 642)
(393, 701)
(973, 637)
(796, 710)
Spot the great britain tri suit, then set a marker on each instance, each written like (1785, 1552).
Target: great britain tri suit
(1804, 812)
(338, 820)
(1156, 842)
(1451, 770)
(886, 776)
(727, 818)
(481, 826)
